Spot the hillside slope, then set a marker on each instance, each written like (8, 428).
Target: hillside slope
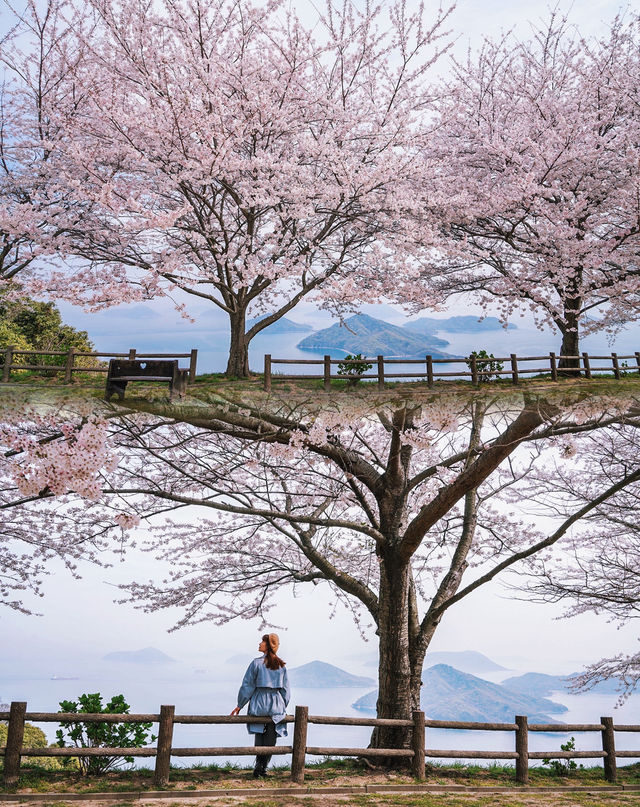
(448, 694)
(372, 337)
(320, 675)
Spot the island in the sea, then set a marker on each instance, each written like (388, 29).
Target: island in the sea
(282, 325)
(470, 661)
(448, 694)
(460, 324)
(320, 675)
(148, 655)
(541, 684)
(465, 660)
(374, 337)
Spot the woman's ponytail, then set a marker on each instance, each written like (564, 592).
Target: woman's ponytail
(272, 660)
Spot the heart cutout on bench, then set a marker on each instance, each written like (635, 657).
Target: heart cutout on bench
(143, 364)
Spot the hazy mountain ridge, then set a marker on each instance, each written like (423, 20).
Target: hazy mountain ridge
(459, 324)
(148, 655)
(372, 337)
(469, 661)
(449, 694)
(320, 675)
(541, 684)
(282, 325)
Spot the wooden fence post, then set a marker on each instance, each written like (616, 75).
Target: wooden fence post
(473, 364)
(554, 366)
(587, 365)
(15, 736)
(8, 358)
(522, 749)
(299, 744)
(68, 367)
(132, 353)
(193, 361)
(267, 372)
(165, 738)
(418, 745)
(430, 370)
(514, 368)
(380, 372)
(609, 747)
(327, 373)
(616, 366)
(638, 360)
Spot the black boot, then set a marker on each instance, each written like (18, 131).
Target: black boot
(260, 770)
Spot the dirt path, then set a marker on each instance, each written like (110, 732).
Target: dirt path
(266, 796)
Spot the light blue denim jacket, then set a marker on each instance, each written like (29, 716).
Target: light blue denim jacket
(267, 693)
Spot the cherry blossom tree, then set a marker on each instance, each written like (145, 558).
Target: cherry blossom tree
(39, 55)
(231, 153)
(540, 153)
(599, 570)
(402, 509)
(61, 450)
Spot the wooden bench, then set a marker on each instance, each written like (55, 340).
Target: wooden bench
(121, 371)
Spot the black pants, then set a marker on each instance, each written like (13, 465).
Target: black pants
(268, 737)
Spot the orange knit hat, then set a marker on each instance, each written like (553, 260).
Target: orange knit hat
(274, 642)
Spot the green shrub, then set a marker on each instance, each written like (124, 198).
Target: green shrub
(563, 767)
(352, 371)
(107, 735)
(33, 738)
(486, 364)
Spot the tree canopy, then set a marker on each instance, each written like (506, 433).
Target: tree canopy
(401, 508)
(28, 324)
(538, 143)
(228, 152)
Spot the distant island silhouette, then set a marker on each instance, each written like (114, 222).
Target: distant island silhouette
(148, 655)
(540, 684)
(448, 694)
(320, 675)
(282, 325)
(459, 324)
(372, 337)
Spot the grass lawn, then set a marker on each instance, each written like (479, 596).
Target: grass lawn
(330, 773)
(214, 389)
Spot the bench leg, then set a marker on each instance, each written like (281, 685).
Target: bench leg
(183, 380)
(117, 387)
(179, 385)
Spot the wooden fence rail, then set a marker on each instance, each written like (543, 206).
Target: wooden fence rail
(478, 369)
(416, 753)
(69, 367)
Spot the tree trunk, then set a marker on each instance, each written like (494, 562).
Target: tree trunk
(570, 329)
(395, 697)
(570, 347)
(238, 363)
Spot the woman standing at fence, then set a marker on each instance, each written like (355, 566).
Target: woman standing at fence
(265, 687)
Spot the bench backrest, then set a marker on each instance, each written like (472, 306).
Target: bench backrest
(143, 367)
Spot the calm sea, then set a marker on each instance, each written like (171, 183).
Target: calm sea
(213, 346)
(214, 692)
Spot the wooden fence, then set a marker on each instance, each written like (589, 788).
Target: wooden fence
(478, 368)
(69, 367)
(417, 753)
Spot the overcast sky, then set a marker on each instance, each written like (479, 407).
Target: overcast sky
(486, 622)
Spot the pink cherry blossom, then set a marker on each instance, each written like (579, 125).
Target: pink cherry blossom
(400, 509)
(539, 154)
